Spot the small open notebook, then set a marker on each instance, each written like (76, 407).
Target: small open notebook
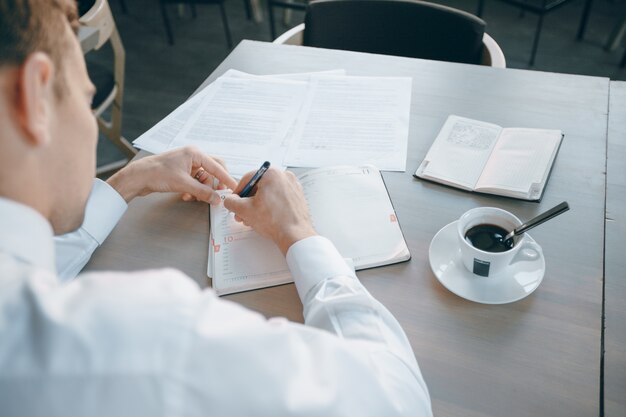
(483, 157)
(348, 205)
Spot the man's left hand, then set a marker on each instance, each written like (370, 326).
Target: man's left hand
(185, 170)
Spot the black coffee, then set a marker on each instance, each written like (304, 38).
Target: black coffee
(488, 237)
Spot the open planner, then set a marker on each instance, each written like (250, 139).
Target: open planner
(483, 157)
(348, 205)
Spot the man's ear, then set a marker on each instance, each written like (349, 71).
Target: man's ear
(35, 98)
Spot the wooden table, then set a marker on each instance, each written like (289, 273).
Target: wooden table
(615, 275)
(536, 357)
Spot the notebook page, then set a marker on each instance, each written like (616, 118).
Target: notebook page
(348, 205)
(242, 259)
(353, 120)
(520, 162)
(459, 153)
(351, 207)
(244, 121)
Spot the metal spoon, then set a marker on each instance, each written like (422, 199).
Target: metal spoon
(535, 221)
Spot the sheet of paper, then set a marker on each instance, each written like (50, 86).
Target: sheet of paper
(355, 121)
(460, 151)
(244, 121)
(350, 206)
(303, 76)
(520, 160)
(296, 76)
(242, 259)
(158, 138)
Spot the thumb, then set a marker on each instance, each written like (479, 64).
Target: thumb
(201, 191)
(236, 204)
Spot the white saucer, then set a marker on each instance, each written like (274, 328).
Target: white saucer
(445, 260)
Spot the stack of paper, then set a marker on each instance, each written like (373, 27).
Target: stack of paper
(300, 120)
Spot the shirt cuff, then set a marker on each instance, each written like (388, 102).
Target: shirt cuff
(313, 260)
(104, 209)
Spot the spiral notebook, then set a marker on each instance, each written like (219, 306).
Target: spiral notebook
(348, 205)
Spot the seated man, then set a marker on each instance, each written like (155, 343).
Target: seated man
(152, 343)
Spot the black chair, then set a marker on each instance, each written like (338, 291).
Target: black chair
(192, 3)
(408, 28)
(541, 8)
(282, 4)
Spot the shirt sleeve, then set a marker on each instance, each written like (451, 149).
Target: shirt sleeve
(335, 300)
(351, 358)
(158, 345)
(103, 211)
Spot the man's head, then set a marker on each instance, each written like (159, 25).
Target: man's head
(48, 133)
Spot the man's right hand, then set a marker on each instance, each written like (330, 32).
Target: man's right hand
(276, 210)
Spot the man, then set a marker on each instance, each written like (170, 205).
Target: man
(152, 343)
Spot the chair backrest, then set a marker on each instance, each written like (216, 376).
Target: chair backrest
(99, 16)
(409, 28)
(492, 53)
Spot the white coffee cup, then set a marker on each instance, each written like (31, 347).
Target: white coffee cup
(489, 264)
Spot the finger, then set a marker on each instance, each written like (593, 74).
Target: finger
(220, 161)
(200, 191)
(201, 175)
(186, 197)
(240, 206)
(215, 169)
(243, 181)
(205, 178)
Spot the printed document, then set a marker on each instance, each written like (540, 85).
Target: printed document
(244, 121)
(354, 121)
(306, 119)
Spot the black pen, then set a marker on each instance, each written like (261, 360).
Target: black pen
(255, 178)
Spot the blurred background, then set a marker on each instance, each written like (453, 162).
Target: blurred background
(160, 76)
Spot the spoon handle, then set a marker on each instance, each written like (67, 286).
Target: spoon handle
(553, 212)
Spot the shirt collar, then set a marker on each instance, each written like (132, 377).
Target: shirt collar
(26, 234)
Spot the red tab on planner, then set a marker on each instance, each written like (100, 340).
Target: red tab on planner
(392, 218)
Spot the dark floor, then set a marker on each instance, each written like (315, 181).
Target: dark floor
(159, 77)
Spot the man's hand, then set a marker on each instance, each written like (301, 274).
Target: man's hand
(185, 170)
(277, 209)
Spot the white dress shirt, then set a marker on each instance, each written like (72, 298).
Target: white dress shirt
(152, 343)
(104, 209)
